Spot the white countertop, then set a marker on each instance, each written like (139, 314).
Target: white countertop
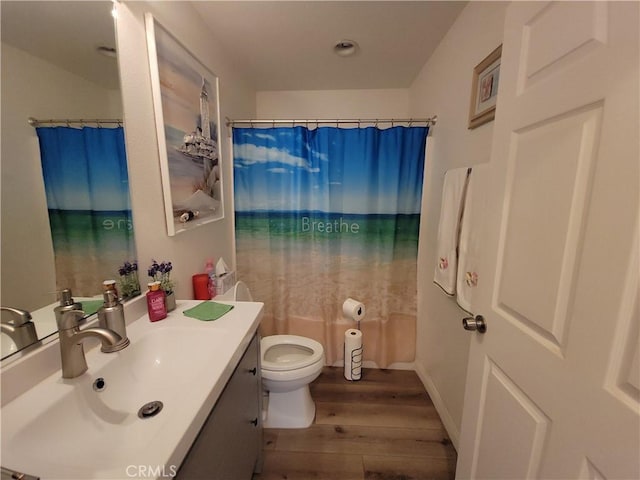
(162, 441)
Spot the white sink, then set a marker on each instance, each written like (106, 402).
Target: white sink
(7, 346)
(66, 428)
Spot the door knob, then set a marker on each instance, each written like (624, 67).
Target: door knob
(475, 324)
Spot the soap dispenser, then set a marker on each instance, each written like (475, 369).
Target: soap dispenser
(66, 304)
(111, 315)
(156, 304)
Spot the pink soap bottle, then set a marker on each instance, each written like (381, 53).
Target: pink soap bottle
(156, 305)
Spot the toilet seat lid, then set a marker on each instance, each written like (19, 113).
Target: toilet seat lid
(289, 352)
(241, 292)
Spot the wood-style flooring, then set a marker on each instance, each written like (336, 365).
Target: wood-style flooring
(382, 427)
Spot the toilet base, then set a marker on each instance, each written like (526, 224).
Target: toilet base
(294, 409)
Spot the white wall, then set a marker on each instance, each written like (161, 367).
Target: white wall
(339, 104)
(189, 250)
(443, 88)
(32, 87)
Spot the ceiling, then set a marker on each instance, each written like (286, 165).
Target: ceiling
(288, 45)
(278, 45)
(65, 34)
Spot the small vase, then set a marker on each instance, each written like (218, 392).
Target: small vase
(170, 301)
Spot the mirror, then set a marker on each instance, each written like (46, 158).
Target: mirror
(58, 62)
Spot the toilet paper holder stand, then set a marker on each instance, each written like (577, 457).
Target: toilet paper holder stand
(356, 358)
(356, 364)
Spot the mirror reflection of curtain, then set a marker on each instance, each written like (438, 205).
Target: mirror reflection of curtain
(87, 188)
(326, 214)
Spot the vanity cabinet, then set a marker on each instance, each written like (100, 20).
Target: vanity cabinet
(229, 445)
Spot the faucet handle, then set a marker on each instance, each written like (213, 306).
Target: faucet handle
(70, 319)
(19, 317)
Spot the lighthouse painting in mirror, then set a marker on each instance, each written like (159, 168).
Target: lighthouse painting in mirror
(186, 105)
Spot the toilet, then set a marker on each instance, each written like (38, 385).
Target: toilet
(289, 363)
(241, 292)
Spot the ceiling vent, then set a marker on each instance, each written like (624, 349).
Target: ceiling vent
(346, 48)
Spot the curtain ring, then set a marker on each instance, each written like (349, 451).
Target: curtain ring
(273, 123)
(392, 125)
(251, 123)
(410, 122)
(376, 124)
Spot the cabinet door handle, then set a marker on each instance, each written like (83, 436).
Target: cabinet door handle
(254, 422)
(254, 370)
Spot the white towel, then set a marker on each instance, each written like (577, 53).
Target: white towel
(469, 243)
(453, 192)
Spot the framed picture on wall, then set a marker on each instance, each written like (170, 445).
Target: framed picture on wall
(484, 89)
(187, 114)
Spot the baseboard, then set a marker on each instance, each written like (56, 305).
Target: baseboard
(445, 416)
(372, 364)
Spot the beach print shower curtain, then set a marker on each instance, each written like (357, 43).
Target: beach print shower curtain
(330, 213)
(87, 188)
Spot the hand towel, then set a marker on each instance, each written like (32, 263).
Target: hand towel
(469, 245)
(207, 311)
(91, 306)
(453, 192)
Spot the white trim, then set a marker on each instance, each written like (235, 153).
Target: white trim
(371, 364)
(443, 412)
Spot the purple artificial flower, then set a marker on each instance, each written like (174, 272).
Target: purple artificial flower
(128, 268)
(159, 272)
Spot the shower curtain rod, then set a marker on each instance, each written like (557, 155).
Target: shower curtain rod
(429, 121)
(68, 121)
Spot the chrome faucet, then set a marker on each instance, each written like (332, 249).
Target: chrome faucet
(74, 362)
(20, 328)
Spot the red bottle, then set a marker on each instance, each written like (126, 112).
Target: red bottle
(156, 305)
(201, 287)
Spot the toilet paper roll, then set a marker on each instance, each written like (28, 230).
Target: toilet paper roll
(353, 309)
(353, 354)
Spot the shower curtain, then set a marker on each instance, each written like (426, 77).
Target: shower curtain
(87, 188)
(330, 213)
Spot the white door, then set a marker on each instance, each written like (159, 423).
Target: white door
(553, 385)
